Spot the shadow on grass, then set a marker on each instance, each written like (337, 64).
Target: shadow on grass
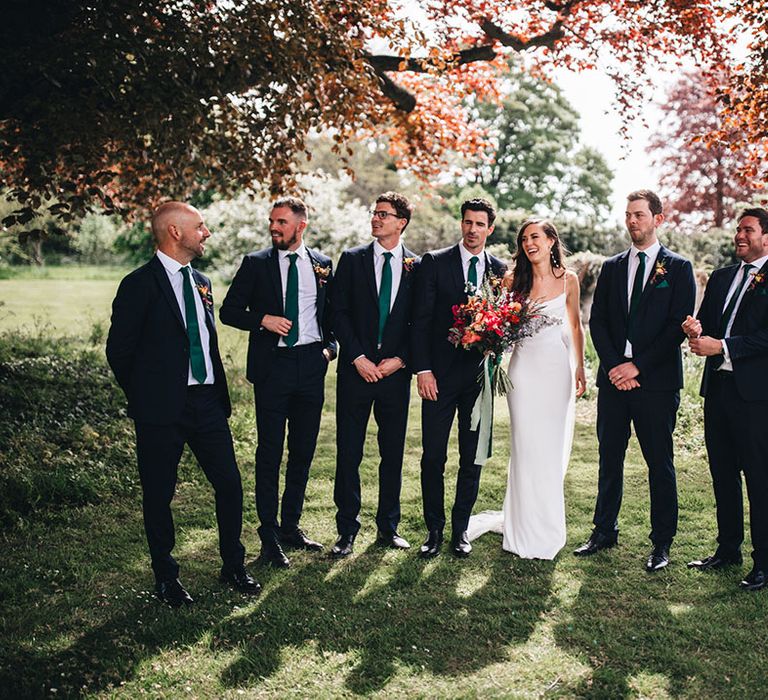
(448, 617)
(675, 633)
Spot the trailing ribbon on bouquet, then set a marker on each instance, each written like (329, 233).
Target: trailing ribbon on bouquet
(482, 411)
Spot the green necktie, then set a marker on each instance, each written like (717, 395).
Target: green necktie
(196, 357)
(385, 294)
(292, 301)
(637, 291)
(472, 274)
(734, 298)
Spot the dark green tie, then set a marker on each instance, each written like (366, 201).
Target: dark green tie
(472, 274)
(292, 301)
(637, 291)
(734, 298)
(196, 356)
(385, 294)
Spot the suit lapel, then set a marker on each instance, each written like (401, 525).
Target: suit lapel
(622, 284)
(405, 280)
(165, 286)
(661, 259)
(369, 272)
(320, 288)
(457, 268)
(273, 266)
(207, 308)
(749, 295)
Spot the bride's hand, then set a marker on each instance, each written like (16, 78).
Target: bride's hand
(581, 381)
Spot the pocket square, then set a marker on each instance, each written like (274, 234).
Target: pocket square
(663, 284)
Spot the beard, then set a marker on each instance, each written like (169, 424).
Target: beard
(286, 240)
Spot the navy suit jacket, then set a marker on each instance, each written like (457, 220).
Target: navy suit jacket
(439, 286)
(668, 297)
(355, 308)
(148, 346)
(748, 343)
(256, 291)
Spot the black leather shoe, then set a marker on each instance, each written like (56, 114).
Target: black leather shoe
(172, 593)
(431, 546)
(295, 537)
(272, 553)
(715, 562)
(392, 540)
(754, 580)
(594, 544)
(344, 546)
(240, 580)
(460, 545)
(658, 558)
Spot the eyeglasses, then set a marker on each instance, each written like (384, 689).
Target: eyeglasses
(383, 214)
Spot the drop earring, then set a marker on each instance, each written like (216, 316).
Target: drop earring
(552, 257)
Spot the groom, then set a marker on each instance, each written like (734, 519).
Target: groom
(447, 375)
(642, 297)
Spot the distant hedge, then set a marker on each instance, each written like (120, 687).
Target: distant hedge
(64, 438)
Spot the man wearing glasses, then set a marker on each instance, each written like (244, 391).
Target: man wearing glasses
(371, 309)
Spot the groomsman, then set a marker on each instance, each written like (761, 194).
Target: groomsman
(642, 297)
(163, 349)
(279, 296)
(446, 375)
(732, 333)
(372, 292)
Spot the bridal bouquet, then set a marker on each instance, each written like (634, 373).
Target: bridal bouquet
(492, 320)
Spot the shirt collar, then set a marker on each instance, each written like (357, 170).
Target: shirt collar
(301, 251)
(466, 255)
(651, 252)
(756, 264)
(379, 250)
(171, 265)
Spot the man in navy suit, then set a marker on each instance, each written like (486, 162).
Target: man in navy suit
(732, 333)
(163, 350)
(372, 292)
(279, 295)
(642, 297)
(447, 376)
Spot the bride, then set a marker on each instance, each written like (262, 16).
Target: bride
(547, 372)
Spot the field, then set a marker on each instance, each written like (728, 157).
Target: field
(78, 618)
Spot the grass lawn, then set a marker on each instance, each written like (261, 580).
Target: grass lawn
(77, 616)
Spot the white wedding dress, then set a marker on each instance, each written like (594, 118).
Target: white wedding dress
(541, 416)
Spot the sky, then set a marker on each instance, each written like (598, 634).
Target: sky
(592, 94)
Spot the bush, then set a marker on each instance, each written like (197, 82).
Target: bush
(62, 439)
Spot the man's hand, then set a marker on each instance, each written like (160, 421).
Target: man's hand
(691, 327)
(367, 370)
(628, 385)
(705, 346)
(276, 324)
(622, 373)
(390, 365)
(427, 386)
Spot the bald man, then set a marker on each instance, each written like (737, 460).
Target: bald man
(163, 349)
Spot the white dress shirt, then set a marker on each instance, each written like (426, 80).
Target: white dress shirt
(480, 266)
(176, 278)
(652, 252)
(756, 265)
(309, 329)
(395, 263)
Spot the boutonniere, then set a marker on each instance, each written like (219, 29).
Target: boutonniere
(758, 280)
(321, 273)
(205, 294)
(408, 264)
(494, 281)
(659, 273)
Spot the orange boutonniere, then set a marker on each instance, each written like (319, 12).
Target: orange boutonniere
(408, 264)
(659, 272)
(205, 294)
(758, 280)
(321, 273)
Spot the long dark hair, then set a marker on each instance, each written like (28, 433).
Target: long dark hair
(522, 275)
